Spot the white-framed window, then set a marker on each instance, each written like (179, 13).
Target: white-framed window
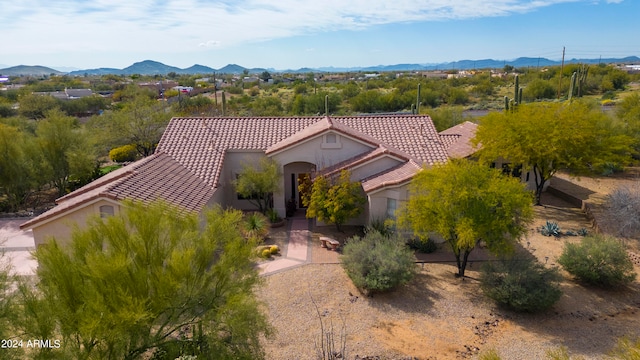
(106, 211)
(331, 141)
(392, 205)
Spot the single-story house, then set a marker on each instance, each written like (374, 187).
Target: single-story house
(198, 159)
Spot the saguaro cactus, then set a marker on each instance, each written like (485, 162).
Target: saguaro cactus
(516, 91)
(572, 85)
(582, 78)
(418, 101)
(224, 103)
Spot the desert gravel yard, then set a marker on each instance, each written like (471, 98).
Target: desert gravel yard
(438, 316)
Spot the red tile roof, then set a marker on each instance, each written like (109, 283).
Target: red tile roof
(200, 143)
(457, 139)
(156, 177)
(186, 167)
(397, 175)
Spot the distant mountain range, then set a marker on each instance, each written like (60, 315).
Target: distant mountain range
(149, 67)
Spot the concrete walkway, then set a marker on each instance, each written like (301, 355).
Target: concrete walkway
(297, 249)
(16, 246)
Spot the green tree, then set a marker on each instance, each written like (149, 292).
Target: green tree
(445, 117)
(64, 149)
(18, 165)
(547, 137)
(366, 101)
(150, 280)
(598, 260)
(628, 112)
(267, 106)
(258, 182)
(539, 89)
(265, 76)
(337, 202)
(8, 311)
(465, 202)
(457, 96)
(36, 106)
(139, 122)
(350, 90)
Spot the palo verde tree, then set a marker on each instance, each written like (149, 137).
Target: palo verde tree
(547, 137)
(11, 348)
(18, 161)
(148, 282)
(465, 202)
(65, 151)
(258, 182)
(334, 201)
(139, 121)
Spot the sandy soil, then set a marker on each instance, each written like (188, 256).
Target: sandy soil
(438, 316)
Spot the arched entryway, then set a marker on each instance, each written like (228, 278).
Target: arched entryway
(294, 174)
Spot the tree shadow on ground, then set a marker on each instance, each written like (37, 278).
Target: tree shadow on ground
(415, 297)
(588, 321)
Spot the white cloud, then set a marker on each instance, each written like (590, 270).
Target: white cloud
(211, 43)
(144, 26)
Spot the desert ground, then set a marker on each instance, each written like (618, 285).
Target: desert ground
(439, 316)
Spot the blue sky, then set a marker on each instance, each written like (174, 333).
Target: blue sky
(290, 34)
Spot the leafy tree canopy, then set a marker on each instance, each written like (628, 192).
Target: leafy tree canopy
(258, 183)
(465, 202)
(64, 149)
(336, 202)
(547, 137)
(150, 280)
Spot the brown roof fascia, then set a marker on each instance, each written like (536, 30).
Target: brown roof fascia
(363, 158)
(397, 181)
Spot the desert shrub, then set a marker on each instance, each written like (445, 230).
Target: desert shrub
(273, 216)
(255, 226)
(123, 153)
(384, 226)
(621, 216)
(237, 90)
(424, 246)
(521, 284)
(598, 260)
(490, 354)
(376, 263)
(627, 349)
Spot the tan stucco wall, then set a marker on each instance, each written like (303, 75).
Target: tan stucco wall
(378, 201)
(374, 167)
(61, 228)
(233, 163)
(312, 151)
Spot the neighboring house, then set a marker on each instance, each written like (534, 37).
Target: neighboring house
(67, 94)
(198, 159)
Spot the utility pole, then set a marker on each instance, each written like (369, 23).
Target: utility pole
(561, 69)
